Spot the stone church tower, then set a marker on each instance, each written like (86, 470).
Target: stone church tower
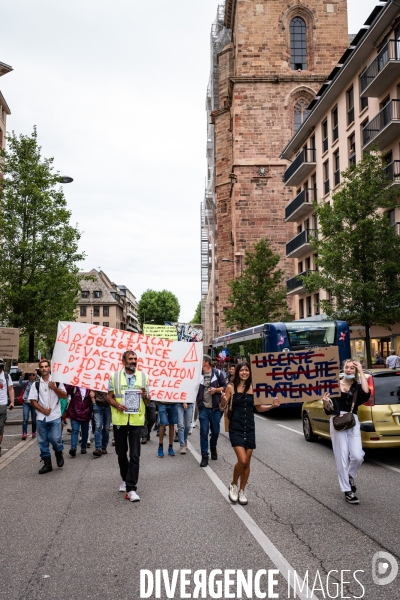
(279, 55)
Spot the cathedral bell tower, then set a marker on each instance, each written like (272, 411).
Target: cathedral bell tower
(279, 55)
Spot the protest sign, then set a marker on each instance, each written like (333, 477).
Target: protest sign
(9, 342)
(165, 332)
(86, 355)
(295, 376)
(187, 332)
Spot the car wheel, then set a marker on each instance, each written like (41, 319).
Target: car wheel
(307, 429)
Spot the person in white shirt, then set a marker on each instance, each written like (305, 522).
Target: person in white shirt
(6, 391)
(46, 401)
(393, 361)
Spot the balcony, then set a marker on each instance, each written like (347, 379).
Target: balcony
(384, 128)
(300, 245)
(302, 166)
(301, 205)
(295, 284)
(392, 170)
(385, 68)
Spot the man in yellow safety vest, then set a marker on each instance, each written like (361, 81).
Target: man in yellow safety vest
(128, 393)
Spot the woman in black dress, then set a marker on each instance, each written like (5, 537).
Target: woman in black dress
(242, 428)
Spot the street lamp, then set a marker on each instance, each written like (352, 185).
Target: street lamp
(65, 179)
(238, 260)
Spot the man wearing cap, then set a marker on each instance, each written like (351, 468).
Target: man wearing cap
(6, 391)
(212, 384)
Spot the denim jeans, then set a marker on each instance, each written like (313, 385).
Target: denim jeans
(28, 408)
(209, 420)
(75, 426)
(49, 433)
(102, 420)
(184, 422)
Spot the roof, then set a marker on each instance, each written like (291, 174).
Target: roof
(348, 66)
(4, 69)
(101, 283)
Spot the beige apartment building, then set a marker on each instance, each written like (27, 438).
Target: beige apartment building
(4, 110)
(132, 313)
(358, 106)
(101, 302)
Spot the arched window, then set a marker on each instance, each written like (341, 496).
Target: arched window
(298, 44)
(300, 113)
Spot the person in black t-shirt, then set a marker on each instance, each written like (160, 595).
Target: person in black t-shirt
(347, 447)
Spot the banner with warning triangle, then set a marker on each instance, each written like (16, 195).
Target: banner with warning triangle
(86, 355)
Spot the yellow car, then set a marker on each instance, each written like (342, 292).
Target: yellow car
(379, 417)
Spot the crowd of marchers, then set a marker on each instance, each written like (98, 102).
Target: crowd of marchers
(50, 403)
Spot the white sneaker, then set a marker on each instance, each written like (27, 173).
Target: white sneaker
(242, 497)
(132, 496)
(122, 487)
(233, 493)
(183, 449)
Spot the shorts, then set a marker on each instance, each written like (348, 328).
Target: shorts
(168, 414)
(3, 417)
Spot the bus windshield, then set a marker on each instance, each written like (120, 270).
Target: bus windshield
(301, 335)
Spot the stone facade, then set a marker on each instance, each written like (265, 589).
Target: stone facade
(258, 91)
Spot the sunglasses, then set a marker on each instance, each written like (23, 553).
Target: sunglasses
(33, 375)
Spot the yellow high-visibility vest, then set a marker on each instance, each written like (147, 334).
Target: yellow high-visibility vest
(119, 384)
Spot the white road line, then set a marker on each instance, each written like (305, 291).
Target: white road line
(290, 429)
(15, 452)
(270, 550)
(376, 462)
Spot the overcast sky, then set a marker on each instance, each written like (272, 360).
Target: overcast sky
(117, 91)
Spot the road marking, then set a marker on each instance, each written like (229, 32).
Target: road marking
(270, 550)
(15, 452)
(376, 462)
(290, 429)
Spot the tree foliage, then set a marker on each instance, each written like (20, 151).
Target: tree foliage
(158, 307)
(358, 249)
(258, 296)
(38, 246)
(197, 315)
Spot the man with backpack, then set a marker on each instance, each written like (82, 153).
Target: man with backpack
(45, 397)
(6, 392)
(128, 394)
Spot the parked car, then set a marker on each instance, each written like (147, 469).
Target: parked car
(379, 417)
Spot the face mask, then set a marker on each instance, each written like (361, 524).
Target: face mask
(351, 376)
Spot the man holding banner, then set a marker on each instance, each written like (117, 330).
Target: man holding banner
(128, 393)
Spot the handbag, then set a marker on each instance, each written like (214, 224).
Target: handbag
(347, 420)
(229, 412)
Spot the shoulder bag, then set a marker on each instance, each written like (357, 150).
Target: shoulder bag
(347, 420)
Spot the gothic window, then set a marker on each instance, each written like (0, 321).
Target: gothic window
(298, 44)
(300, 113)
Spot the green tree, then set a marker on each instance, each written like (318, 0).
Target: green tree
(358, 249)
(38, 246)
(258, 296)
(158, 307)
(197, 315)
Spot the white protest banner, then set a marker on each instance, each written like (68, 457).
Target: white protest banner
(86, 355)
(295, 376)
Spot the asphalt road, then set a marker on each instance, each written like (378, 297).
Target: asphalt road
(70, 534)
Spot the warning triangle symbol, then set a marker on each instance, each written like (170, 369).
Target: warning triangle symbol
(64, 335)
(191, 356)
